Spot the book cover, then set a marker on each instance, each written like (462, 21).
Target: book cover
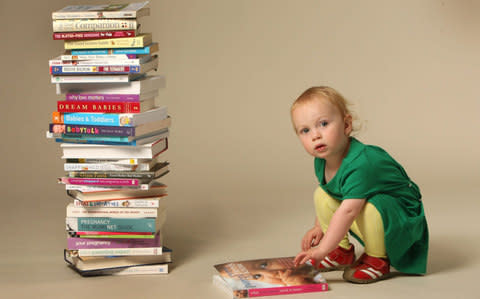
(139, 41)
(122, 11)
(75, 25)
(113, 182)
(93, 34)
(266, 277)
(142, 85)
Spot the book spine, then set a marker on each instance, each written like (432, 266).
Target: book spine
(111, 174)
(100, 181)
(103, 97)
(139, 41)
(134, 203)
(120, 251)
(94, 119)
(93, 69)
(104, 167)
(133, 270)
(119, 236)
(129, 51)
(82, 25)
(104, 140)
(93, 188)
(91, 58)
(92, 130)
(92, 79)
(98, 107)
(309, 288)
(93, 35)
(98, 243)
(73, 211)
(103, 224)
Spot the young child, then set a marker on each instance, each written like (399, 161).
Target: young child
(362, 189)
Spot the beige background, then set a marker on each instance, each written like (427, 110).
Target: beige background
(241, 183)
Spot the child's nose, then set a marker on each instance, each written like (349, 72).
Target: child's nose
(316, 134)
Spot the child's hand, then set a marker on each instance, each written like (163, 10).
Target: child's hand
(313, 254)
(312, 238)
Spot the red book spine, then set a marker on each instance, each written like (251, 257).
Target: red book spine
(100, 107)
(92, 35)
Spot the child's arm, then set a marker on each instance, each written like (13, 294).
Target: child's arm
(339, 225)
(312, 236)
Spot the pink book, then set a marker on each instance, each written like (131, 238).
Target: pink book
(101, 243)
(99, 181)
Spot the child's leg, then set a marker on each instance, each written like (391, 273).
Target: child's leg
(368, 226)
(325, 206)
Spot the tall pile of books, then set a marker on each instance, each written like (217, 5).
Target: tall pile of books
(112, 133)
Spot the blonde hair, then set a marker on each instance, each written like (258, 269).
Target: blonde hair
(329, 94)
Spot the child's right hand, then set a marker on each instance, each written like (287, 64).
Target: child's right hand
(312, 238)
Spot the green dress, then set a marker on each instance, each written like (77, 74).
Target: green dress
(370, 172)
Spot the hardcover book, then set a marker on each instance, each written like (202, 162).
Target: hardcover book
(266, 277)
(112, 11)
(105, 107)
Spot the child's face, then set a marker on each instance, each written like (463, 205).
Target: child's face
(322, 129)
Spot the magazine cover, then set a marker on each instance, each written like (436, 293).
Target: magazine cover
(266, 277)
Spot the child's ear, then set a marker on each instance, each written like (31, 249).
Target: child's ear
(348, 124)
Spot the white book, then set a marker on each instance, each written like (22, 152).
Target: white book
(100, 151)
(111, 11)
(119, 251)
(142, 85)
(75, 79)
(133, 203)
(99, 211)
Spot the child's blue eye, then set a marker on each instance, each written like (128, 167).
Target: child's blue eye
(323, 123)
(304, 130)
(257, 276)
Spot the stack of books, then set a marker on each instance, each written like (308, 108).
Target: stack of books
(112, 134)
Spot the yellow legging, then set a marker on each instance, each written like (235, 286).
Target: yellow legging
(368, 225)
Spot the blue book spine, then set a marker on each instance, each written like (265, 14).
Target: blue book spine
(94, 70)
(144, 50)
(105, 224)
(98, 119)
(105, 142)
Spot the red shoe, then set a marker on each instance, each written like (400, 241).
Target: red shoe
(338, 259)
(368, 269)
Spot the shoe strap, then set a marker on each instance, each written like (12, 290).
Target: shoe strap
(375, 262)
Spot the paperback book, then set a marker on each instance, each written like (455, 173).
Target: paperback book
(112, 11)
(267, 277)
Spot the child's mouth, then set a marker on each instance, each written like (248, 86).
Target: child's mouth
(320, 147)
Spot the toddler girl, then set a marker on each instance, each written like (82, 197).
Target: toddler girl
(362, 189)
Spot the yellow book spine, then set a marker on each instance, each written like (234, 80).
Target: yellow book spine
(111, 43)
